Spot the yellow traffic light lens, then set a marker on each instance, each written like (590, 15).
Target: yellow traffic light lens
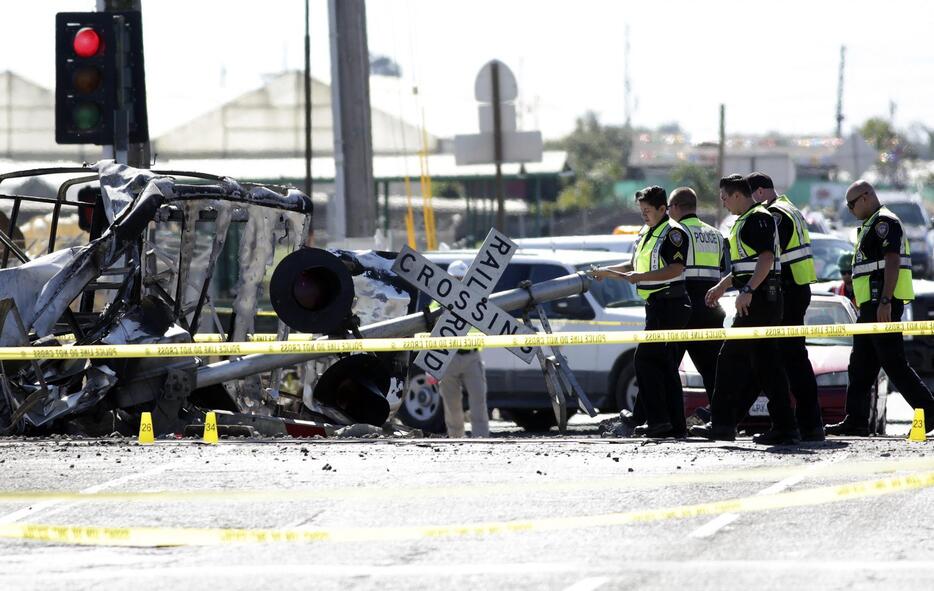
(86, 116)
(87, 80)
(87, 42)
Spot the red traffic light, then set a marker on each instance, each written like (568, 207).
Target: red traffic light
(87, 42)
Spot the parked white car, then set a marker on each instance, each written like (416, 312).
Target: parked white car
(605, 372)
(624, 243)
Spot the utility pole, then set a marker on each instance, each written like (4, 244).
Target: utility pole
(839, 133)
(350, 103)
(498, 151)
(307, 104)
(137, 155)
(721, 151)
(627, 84)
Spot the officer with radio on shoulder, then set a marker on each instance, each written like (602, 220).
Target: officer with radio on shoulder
(706, 264)
(797, 275)
(659, 261)
(882, 287)
(756, 270)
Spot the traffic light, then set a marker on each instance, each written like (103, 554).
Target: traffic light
(100, 85)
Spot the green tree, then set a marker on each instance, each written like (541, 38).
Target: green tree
(879, 133)
(893, 146)
(700, 178)
(579, 195)
(596, 150)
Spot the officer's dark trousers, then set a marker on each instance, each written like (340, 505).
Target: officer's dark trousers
(741, 362)
(660, 394)
(886, 351)
(703, 353)
(794, 355)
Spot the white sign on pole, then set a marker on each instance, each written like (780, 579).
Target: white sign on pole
(483, 86)
(465, 300)
(507, 118)
(518, 146)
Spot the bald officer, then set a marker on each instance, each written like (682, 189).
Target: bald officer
(882, 287)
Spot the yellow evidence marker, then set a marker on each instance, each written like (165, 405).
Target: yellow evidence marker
(145, 429)
(918, 430)
(210, 428)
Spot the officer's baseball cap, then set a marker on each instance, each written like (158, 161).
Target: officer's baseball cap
(457, 269)
(759, 180)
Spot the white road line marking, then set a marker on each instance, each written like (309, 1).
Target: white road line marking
(588, 584)
(418, 570)
(716, 524)
(320, 570)
(46, 506)
(721, 521)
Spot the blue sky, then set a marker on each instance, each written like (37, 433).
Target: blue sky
(774, 64)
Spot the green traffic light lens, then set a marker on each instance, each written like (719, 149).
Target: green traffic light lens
(86, 116)
(87, 80)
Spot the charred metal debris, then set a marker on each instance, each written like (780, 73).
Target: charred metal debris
(118, 255)
(125, 255)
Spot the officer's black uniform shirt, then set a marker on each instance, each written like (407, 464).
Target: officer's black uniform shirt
(674, 249)
(758, 234)
(882, 237)
(786, 229)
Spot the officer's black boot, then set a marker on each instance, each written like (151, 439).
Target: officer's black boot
(848, 427)
(813, 435)
(656, 430)
(778, 437)
(714, 432)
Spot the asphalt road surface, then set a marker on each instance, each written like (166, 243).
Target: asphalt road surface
(576, 512)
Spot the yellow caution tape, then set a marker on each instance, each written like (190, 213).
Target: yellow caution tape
(628, 482)
(594, 322)
(260, 337)
(563, 339)
(169, 536)
(226, 310)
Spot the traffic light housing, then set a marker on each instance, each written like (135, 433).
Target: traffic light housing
(100, 84)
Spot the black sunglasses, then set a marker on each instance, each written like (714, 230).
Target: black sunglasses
(852, 204)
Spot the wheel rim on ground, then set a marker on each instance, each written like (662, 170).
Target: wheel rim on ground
(422, 400)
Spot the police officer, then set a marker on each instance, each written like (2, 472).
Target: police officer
(797, 275)
(882, 287)
(465, 371)
(704, 267)
(754, 253)
(659, 262)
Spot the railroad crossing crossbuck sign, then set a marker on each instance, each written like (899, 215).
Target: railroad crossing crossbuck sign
(467, 304)
(466, 301)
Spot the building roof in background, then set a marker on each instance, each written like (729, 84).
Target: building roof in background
(655, 149)
(27, 124)
(269, 122)
(440, 166)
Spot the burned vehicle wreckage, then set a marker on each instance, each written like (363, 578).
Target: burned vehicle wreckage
(142, 270)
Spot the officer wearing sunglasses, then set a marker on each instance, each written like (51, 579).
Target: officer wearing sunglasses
(881, 287)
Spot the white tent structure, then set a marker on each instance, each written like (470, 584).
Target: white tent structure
(27, 124)
(269, 122)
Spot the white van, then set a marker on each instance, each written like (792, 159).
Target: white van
(624, 243)
(605, 372)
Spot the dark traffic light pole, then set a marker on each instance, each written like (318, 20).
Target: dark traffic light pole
(133, 154)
